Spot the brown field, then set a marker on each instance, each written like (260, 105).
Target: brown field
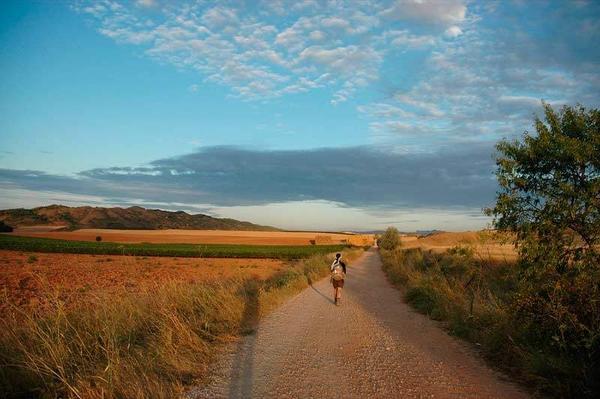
(196, 236)
(29, 280)
(485, 244)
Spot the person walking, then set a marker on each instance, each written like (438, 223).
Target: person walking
(338, 275)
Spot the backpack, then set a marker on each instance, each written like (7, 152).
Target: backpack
(338, 272)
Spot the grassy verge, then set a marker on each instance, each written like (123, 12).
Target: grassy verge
(184, 250)
(473, 298)
(149, 344)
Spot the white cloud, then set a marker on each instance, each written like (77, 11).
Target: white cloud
(349, 59)
(384, 110)
(453, 31)
(240, 47)
(335, 22)
(427, 107)
(316, 35)
(483, 85)
(358, 65)
(304, 4)
(146, 3)
(219, 17)
(257, 60)
(342, 46)
(96, 9)
(289, 37)
(403, 38)
(434, 12)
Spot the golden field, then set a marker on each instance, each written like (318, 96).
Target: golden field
(31, 280)
(172, 236)
(485, 244)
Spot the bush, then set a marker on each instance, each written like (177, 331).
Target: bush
(98, 238)
(4, 228)
(390, 239)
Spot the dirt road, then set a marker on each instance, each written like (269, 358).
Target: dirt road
(372, 346)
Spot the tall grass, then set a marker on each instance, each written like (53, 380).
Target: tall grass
(145, 345)
(474, 298)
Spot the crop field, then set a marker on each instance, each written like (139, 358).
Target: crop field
(32, 281)
(183, 236)
(485, 245)
(35, 244)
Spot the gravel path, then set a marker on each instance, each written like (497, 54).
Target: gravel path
(372, 346)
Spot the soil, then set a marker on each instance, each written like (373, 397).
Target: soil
(372, 346)
(29, 279)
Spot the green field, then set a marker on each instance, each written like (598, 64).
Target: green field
(183, 250)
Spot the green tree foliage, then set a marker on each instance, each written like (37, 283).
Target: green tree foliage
(550, 199)
(390, 239)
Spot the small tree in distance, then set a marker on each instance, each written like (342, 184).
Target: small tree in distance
(390, 239)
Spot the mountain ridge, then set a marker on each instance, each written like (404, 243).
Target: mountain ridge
(131, 218)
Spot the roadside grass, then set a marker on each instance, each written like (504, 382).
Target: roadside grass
(35, 244)
(151, 344)
(472, 297)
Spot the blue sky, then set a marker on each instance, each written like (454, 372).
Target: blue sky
(303, 114)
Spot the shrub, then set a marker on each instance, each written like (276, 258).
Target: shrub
(4, 228)
(98, 238)
(390, 239)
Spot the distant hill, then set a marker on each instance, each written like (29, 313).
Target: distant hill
(427, 233)
(134, 217)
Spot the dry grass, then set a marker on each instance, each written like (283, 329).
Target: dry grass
(146, 344)
(75, 277)
(486, 245)
(192, 236)
(475, 300)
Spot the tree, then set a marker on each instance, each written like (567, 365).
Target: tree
(550, 183)
(4, 228)
(549, 199)
(390, 239)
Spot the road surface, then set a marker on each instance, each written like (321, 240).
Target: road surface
(372, 346)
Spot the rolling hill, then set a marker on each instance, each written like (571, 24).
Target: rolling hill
(134, 217)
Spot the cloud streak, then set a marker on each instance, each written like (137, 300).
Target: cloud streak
(363, 177)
